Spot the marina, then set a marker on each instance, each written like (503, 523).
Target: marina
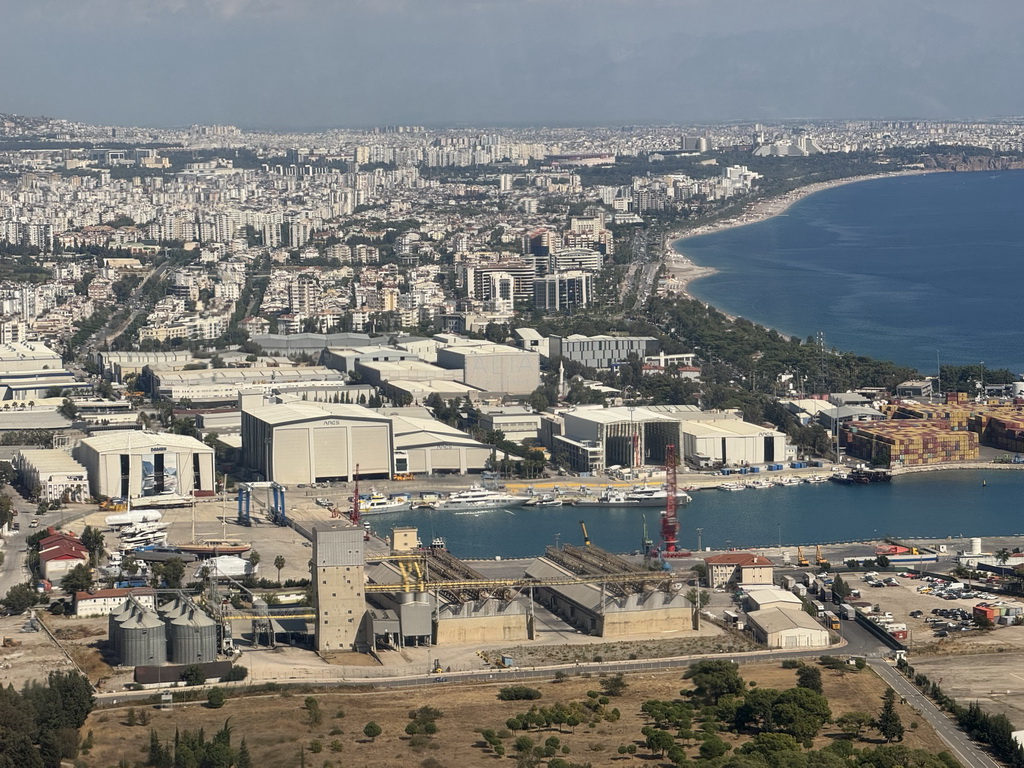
(926, 505)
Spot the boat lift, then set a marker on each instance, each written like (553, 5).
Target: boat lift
(275, 504)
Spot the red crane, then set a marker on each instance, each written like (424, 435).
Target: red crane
(355, 499)
(669, 519)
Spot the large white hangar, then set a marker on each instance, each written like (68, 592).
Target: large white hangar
(433, 447)
(141, 464)
(294, 443)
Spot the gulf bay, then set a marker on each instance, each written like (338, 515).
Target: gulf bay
(901, 269)
(930, 504)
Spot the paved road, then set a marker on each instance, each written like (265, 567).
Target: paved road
(966, 751)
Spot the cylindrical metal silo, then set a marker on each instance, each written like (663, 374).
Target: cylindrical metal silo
(975, 546)
(193, 637)
(118, 617)
(144, 640)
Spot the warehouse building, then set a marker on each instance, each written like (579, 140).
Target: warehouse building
(57, 476)
(632, 601)
(627, 437)
(216, 385)
(29, 369)
(493, 367)
(140, 464)
(434, 447)
(516, 422)
(711, 439)
(301, 442)
(345, 359)
(779, 627)
(602, 351)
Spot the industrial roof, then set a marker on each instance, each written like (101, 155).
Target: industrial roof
(617, 415)
(32, 419)
(726, 428)
(138, 440)
(287, 413)
(778, 619)
(26, 351)
(587, 596)
(44, 460)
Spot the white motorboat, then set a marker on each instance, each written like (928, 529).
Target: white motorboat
(760, 484)
(478, 498)
(731, 487)
(376, 503)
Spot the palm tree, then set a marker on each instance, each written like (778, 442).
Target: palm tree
(279, 564)
(254, 560)
(1003, 555)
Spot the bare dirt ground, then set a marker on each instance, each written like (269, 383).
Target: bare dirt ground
(994, 680)
(275, 726)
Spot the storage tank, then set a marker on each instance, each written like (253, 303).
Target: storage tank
(975, 547)
(143, 640)
(193, 637)
(1018, 388)
(117, 617)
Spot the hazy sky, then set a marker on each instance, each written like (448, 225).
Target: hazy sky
(323, 63)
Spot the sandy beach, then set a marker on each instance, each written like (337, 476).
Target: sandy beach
(683, 271)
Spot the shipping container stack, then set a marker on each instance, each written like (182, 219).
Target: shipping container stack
(910, 443)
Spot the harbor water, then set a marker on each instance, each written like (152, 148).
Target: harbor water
(942, 504)
(902, 269)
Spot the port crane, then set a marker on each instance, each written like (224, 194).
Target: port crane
(669, 518)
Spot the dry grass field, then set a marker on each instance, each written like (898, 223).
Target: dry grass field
(276, 726)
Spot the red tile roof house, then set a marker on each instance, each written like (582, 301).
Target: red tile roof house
(59, 553)
(739, 568)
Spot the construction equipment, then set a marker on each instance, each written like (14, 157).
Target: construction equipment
(586, 537)
(818, 558)
(645, 542)
(801, 561)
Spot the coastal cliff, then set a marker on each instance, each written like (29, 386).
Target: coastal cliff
(963, 162)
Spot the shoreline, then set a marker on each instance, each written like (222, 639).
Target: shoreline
(684, 271)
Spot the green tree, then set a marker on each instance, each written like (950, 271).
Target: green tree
(889, 724)
(841, 588)
(712, 747)
(78, 579)
(92, 540)
(852, 723)
(279, 563)
(193, 674)
(19, 598)
(243, 760)
(809, 676)
(254, 560)
(801, 713)
(215, 698)
(371, 731)
(659, 741)
(714, 678)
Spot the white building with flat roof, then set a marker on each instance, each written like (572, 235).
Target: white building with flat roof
(58, 476)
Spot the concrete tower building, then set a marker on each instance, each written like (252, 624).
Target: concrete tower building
(338, 581)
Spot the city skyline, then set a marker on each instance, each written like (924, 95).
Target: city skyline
(310, 64)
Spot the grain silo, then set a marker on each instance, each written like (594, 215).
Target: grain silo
(193, 637)
(117, 617)
(143, 640)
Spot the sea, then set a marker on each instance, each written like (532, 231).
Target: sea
(953, 503)
(912, 269)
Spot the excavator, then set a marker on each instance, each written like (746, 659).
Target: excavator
(821, 561)
(801, 561)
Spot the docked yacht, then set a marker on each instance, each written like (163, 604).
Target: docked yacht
(376, 503)
(477, 498)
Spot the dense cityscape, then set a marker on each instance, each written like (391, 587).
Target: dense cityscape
(224, 353)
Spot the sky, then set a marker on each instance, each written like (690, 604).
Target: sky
(309, 64)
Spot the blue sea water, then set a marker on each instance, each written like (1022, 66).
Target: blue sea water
(929, 504)
(897, 269)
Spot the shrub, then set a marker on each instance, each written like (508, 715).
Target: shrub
(215, 698)
(316, 746)
(238, 672)
(518, 693)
